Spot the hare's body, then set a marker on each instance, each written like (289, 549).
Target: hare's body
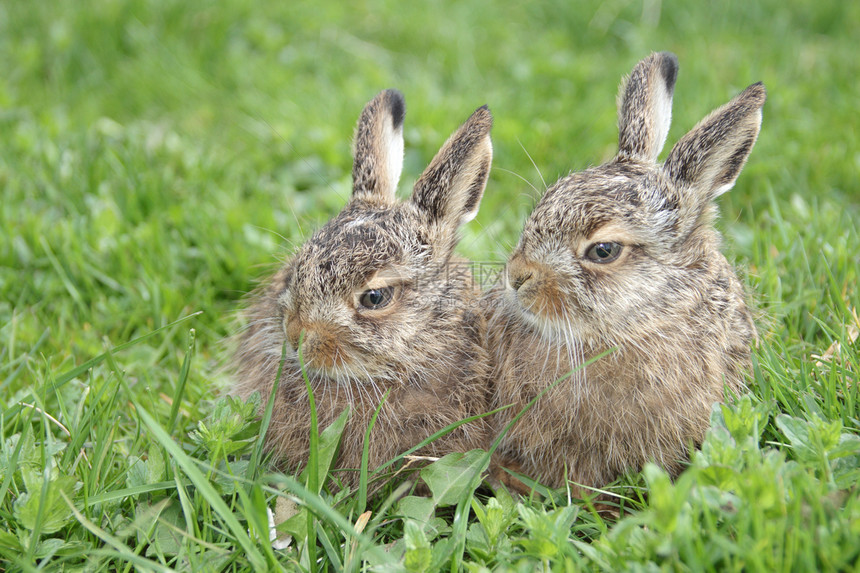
(648, 400)
(625, 256)
(378, 303)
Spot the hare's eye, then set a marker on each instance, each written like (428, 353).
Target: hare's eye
(376, 298)
(603, 252)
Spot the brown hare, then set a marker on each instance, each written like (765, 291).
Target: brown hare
(625, 256)
(381, 303)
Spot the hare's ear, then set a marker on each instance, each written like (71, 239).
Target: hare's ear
(378, 149)
(645, 107)
(450, 189)
(707, 161)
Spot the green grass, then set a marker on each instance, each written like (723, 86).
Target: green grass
(156, 158)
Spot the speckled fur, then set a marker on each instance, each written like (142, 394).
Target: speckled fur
(427, 348)
(671, 304)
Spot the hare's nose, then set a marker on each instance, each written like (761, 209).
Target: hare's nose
(294, 332)
(520, 279)
(520, 271)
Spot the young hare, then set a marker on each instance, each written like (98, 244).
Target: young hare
(625, 256)
(379, 303)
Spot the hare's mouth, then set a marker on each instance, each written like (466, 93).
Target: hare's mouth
(344, 371)
(531, 316)
(337, 360)
(326, 352)
(555, 326)
(541, 310)
(338, 374)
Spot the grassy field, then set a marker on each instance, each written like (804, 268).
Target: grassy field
(159, 157)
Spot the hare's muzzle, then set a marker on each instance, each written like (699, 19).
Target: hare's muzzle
(522, 278)
(535, 287)
(294, 329)
(318, 342)
(322, 349)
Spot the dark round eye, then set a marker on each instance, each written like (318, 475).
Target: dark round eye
(603, 252)
(376, 298)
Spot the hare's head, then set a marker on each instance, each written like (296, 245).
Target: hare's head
(375, 287)
(617, 250)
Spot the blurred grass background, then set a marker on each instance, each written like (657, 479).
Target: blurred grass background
(159, 156)
(152, 152)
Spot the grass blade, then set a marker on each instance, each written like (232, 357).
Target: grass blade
(257, 453)
(313, 454)
(189, 466)
(365, 454)
(180, 384)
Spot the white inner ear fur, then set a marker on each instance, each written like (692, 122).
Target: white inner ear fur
(394, 154)
(732, 145)
(661, 119)
(722, 189)
(718, 159)
(468, 176)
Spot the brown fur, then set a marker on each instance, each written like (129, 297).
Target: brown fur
(426, 347)
(670, 304)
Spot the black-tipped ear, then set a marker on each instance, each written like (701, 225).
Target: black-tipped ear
(645, 107)
(450, 189)
(378, 148)
(707, 161)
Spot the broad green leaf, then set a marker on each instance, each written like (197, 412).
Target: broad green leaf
(155, 466)
(719, 476)
(418, 554)
(296, 526)
(449, 477)
(145, 472)
(145, 515)
(442, 551)
(419, 509)
(494, 518)
(797, 432)
(745, 419)
(422, 510)
(846, 461)
(167, 537)
(665, 497)
(814, 439)
(849, 445)
(136, 475)
(229, 476)
(55, 512)
(48, 547)
(477, 541)
(9, 542)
